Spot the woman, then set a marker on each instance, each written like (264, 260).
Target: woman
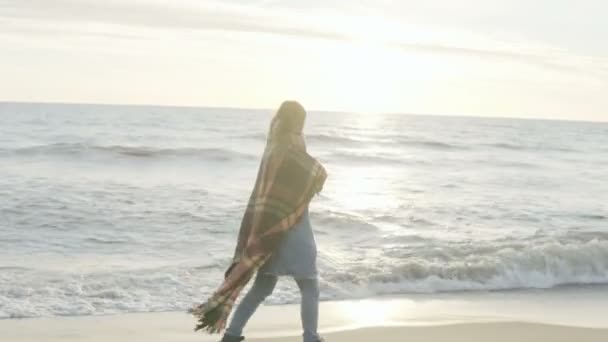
(275, 238)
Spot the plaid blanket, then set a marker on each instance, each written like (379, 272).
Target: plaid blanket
(287, 180)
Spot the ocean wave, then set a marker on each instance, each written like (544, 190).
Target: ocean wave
(519, 147)
(336, 139)
(358, 140)
(367, 158)
(253, 136)
(594, 217)
(509, 164)
(461, 268)
(507, 146)
(428, 267)
(80, 149)
(432, 145)
(62, 293)
(13, 268)
(386, 140)
(106, 241)
(331, 220)
(322, 138)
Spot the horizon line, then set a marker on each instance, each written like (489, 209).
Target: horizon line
(464, 116)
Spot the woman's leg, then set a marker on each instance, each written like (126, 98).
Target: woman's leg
(262, 287)
(309, 309)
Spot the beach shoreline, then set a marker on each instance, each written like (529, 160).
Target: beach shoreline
(565, 314)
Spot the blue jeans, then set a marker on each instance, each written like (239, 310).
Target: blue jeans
(262, 287)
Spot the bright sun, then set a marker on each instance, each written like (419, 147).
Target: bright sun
(371, 77)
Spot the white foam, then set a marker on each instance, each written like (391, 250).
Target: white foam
(31, 293)
(537, 265)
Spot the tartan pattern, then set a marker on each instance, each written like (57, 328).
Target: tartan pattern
(287, 180)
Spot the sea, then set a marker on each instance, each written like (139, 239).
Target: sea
(108, 209)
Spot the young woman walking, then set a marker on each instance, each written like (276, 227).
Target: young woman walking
(275, 238)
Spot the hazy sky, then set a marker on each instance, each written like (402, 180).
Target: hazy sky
(523, 58)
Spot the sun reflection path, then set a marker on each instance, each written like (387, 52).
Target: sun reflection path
(366, 188)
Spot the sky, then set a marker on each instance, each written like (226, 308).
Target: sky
(514, 58)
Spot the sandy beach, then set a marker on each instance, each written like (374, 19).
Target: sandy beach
(158, 331)
(556, 315)
(497, 332)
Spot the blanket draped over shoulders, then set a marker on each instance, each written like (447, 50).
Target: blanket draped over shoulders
(287, 180)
